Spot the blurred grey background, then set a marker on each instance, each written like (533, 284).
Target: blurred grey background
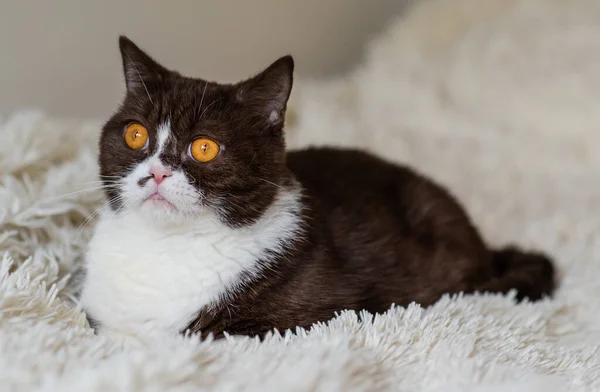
(62, 55)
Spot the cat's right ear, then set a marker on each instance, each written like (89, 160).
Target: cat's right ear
(140, 69)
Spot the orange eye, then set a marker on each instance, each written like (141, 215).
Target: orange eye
(203, 150)
(136, 136)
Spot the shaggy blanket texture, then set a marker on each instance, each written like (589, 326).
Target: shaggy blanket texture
(497, 99)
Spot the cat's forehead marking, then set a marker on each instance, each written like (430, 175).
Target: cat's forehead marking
(163, 135)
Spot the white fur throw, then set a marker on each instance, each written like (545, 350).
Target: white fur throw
(497, 99)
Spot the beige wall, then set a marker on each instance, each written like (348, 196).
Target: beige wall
(62, 55)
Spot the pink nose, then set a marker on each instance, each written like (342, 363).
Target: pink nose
(160, 173)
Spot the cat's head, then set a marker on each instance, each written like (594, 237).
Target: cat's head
(179, 147)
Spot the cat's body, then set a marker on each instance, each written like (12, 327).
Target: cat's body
(255, 239)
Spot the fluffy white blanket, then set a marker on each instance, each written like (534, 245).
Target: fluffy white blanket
(498, 99)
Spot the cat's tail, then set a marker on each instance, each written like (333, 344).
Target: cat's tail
(531, 274)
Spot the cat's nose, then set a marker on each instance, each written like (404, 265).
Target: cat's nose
(159, 173)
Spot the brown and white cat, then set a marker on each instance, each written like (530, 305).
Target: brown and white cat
(214, 227)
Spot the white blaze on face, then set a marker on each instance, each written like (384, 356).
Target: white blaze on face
(163, 135)
(176, 189)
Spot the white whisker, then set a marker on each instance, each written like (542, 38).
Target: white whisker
(272, 183)
(208, 106)
(96, 212)
(202, 98)
(140, 76)
(97, 188)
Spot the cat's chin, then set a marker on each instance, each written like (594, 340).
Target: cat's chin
(158, 202)
(161, 209)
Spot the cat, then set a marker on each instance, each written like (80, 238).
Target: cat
(212, 227)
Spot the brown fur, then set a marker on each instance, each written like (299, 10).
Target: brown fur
(375, 233)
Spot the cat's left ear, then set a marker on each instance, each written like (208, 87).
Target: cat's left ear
(269, 91)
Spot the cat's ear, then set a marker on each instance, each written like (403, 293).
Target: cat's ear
(139, 68)
(269, 91)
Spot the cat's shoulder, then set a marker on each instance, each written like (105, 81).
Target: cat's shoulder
(347, 165)
(332, 154)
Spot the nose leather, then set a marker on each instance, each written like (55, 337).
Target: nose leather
(160, 173)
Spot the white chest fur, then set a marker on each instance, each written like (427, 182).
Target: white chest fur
(145, 278)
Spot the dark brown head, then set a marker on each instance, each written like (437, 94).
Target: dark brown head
(180, 147)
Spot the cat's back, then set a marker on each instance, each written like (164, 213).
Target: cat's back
(366, 201)
(339, 177)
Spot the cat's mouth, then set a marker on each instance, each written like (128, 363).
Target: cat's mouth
(157, 198)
